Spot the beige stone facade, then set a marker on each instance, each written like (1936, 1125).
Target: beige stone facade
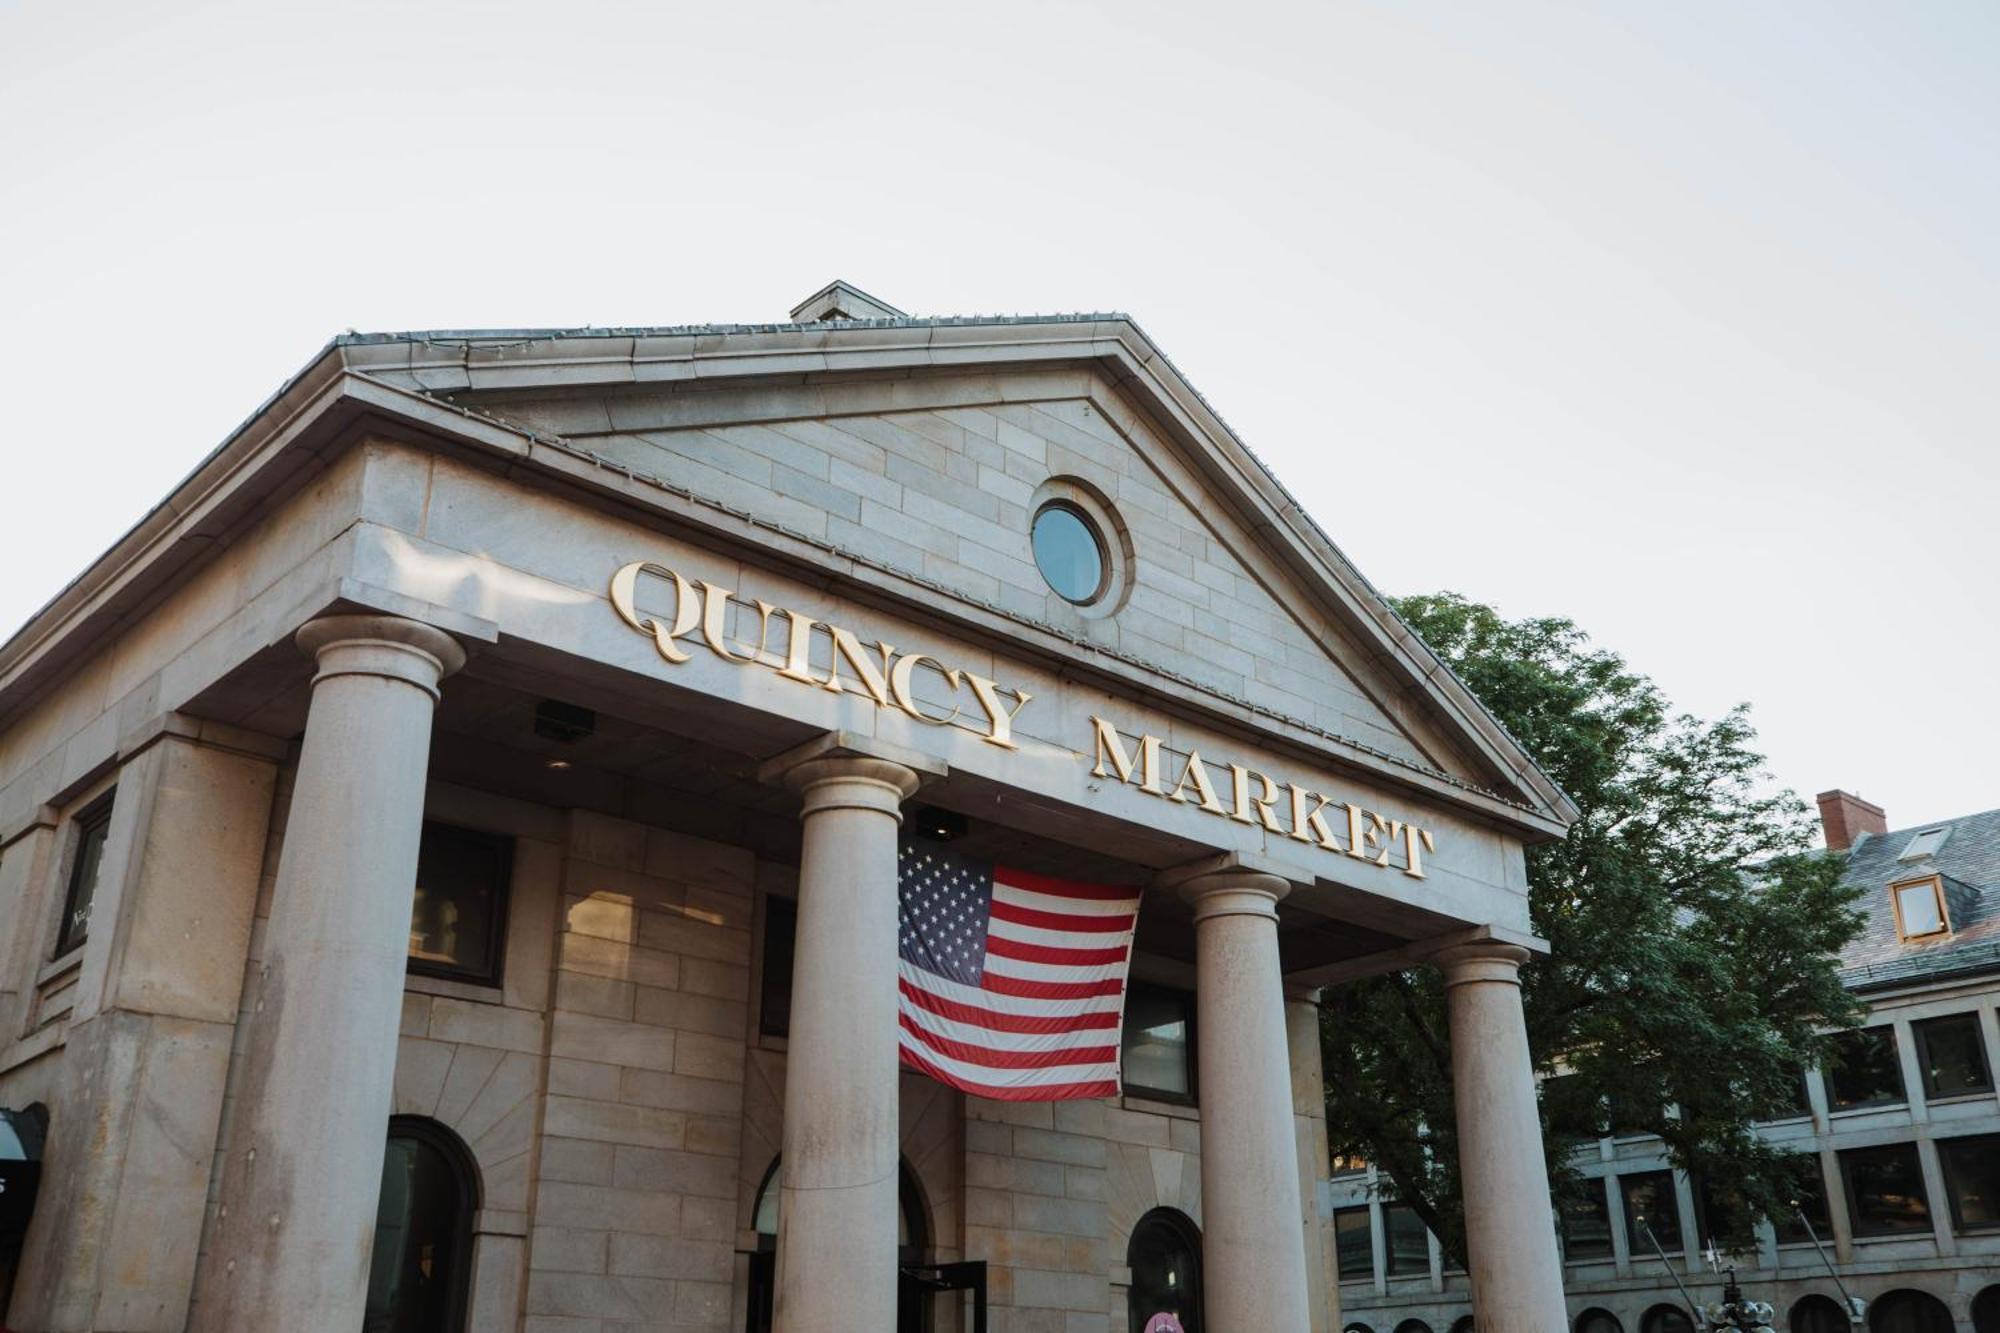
(345, 629)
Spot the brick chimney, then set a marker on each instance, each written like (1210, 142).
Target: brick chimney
(1845, 817)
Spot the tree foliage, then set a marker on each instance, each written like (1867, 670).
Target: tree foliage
(1692, 937)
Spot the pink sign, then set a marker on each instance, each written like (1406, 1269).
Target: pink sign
(1165, 1323)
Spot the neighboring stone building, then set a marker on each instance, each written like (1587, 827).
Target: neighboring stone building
(448, 849)
(1907, 1132)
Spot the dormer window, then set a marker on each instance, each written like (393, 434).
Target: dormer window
(1920, 908)
(1924, 844)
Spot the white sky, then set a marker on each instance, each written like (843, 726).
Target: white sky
(1679, 320)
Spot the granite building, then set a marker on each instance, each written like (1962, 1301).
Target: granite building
(1906, 1217)
(448, 848)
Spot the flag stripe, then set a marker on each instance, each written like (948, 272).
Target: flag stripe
(1044, 953)
(1020, 988)
(986, 1018)
(997, 995)
(1062, 888)
(1048, 902)
(965, 1078)
(931, 1027)
(1024, 969)
(1058, 921)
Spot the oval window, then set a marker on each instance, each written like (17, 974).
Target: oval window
(1069, 553)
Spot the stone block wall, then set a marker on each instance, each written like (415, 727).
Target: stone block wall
(1035, 1211)
(634, 1209)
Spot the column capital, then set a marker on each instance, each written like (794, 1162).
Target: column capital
(375, 645)
(1482, 960)
(1226, 889)
(843, 770)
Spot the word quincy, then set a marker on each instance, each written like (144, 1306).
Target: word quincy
(880, 672)
(1255, 799)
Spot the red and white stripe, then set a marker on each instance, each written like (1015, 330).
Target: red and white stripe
(1044, 1023)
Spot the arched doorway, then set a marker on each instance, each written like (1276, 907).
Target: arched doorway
(1666, 1319)
(421, 1267)
(1986, 1311)
(1413, 1326)
(1164, 1255)
(912, 1243)
(1909, 1311)
(1463, 1325)
(1819, 1314)
(1598, 1321)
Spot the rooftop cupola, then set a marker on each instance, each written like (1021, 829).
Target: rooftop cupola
(842, 300)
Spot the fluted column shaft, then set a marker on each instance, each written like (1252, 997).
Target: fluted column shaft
(1510, 1228)
(1253, 1249)
(837, 1218)
(297, 1217)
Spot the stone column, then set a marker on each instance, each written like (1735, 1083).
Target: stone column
(1315, 1162)
(837, 1212)
(1510, 1228)
(1253, 1250)
(296, 1220)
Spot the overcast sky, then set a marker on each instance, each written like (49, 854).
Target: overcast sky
(1679, 320)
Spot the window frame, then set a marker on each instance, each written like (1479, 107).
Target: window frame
(1670, 1242)
(1145, 1092)
(1367, 1216)
(1944, 1145)
(1830, 1073)
(1936, 885)
(1854, 1220)
(1389, 1269)
(1092, 530)
(440, 1137)
(496, 927)
(1598, 1200)
(92, 819)
(1921, 1037)
(775, 906)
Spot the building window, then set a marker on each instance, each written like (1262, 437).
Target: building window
(1650, 1198)
(1864, 1070)
(1986, 1311)
(781, 931)
(1585, 1223)
(1409, 1242)
(1819, 1314)
(1598, 1321)
(1157, 1050)
(460, 913)
(1354, 1244)
(1885, 1190)
(1909, 1311)
(1165, 1258)
(1797, 1101)
(1972, 1181)
(1920, 908)
(93, 827)
(1666, 1319)
(1070, 552)
(1413, 1326)
(1951, 1056)
(422, 1259)
(1811, 1201)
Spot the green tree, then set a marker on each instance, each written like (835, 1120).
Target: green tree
(1692, 935)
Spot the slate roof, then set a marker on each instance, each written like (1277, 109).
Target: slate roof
(1969, 861)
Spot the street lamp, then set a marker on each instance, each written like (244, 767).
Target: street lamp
(1734, 1314)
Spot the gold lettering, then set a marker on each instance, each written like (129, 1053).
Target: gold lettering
(1239, 782)
(714, 622)
(1110, 747)
(1000, 718)
(900, 681)
(798, 650)
(874, 679)
(624, 600)
(1304, 820)
(1413, 838)
(1198, 775)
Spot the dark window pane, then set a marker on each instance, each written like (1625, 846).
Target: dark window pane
(422, 1241)
(93, 826)
(1666, 1319)
(1166, 1271)
(1586, 1223)
(1649, 1197)
(1819, 1314)
(1409, 1243)
(1885, 1190)
(1354, 1244)
(1863, 1070)
(1811, 1200)
(1972, 1179)
(1796, 1102)
(460, 906)
(1156, 1055)
(1718, 1214)
(1951, 1053)
(781, 929)
(1068, 553)
(1909, 1311)
(1598, 1321)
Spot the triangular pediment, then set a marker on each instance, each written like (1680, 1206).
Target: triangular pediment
(938, 476)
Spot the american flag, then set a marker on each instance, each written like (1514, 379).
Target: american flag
(1013, 984)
